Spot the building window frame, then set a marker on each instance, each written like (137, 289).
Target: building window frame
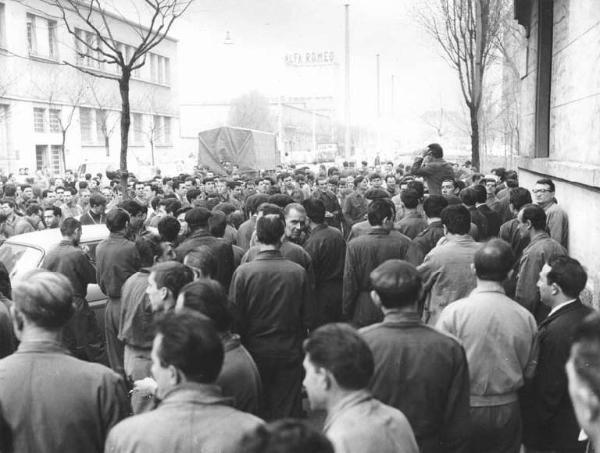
(544, 78)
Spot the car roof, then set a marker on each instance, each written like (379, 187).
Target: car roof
(46, 239)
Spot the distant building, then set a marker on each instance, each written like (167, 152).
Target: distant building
(559, 128)
(52, 116)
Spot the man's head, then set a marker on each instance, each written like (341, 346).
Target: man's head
(456, 219)
(435, 150)
(52, 216)
(433, 206)
(69, 195)
(543, 192)
(295, 221)
(186, 348)
(337, 360)
(285, 436)
(518, 197)
(26, 192)
(396, 284)
(117, 220)
(35, 213)
(165, 282)
(139, 190)
(203, 261)
(532, 219)
(583, 370)
(561, 279)
(153, 250)
(270, 229)
(48, 197)
(197, 218)
(208, 298)
(70, 229)
(490, 185)
(168, 229)
(42, 300)
(448, 187)
(7, 207)
(410, 199)
(315, 210)
(137, 213)
(494, 260)
(97, 204)
(381, 212)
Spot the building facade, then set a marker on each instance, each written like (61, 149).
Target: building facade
(54, 117)
(559, 128)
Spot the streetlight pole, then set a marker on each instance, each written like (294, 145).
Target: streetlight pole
(347, 148)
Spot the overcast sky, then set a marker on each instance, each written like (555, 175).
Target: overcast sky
(264, 31)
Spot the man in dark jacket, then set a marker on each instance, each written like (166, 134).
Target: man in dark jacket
(469, 198)
(428, 239)
(197, 220)
(272, 304)
(493, 218)
(432, 166)
(364, 254)
(428, 369)
(117, 259)
(81, 334)
(549, 420)
(327, 250)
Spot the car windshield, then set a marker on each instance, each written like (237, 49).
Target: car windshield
(19, 258)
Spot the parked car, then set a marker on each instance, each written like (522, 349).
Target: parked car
(27, 251)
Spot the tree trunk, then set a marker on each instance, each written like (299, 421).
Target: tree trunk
(107, 144)
(474, 138)
(125, 123)
(62, 150)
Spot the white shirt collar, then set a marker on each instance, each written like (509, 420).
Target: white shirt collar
(559, 306)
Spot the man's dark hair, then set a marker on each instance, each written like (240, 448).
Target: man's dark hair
(358, 180)
(468, 196)
(254, 201)
(269, 208)
(198, 217)
(10, 190)
(379, 210)
(192, 194)
(585, 352)
(97, 199)
(5, 286)
(418, 186)
(452, 180)
(494, 260)
(69, 226)
(270, 228)
(433, 205)
(172, 205)
(169, 228)
(172, 275)
(45, 298)
(117, 219)
(397, 282)
(191, 344)
(45, 193)
(71, 189)
(341, 350)
(9, 202)
(519, 197)
(203, 258)
(281, 199)
(83, 185)
(55, 210)
(315, 209)
(133, 207)
(481, 193)
(536, 215)
(500, 172)
(33, 209)
(410, 199)
(436, 150)
(217, 223)
(226, 207)
(149, 248)
(285, 436)
(208, 297)
(547, 182)
(457, 219)
(568, 274)
(376, 194)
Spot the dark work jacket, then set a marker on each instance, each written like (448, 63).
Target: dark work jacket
(425, 375)
(509, 232)
(272, 302)
(117, 259)
(481, 222)
(411, 224)
(363, 255)
(74, 264)
(434, 171)
(493, 220)
(245, 233)
(219, 246)
(548, 416)
(327, 249)
(428, 239)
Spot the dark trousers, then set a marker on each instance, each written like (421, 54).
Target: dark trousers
(82, 335)
(282, 386)
(114, 346)
(496, 429)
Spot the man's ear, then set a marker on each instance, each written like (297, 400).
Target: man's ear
(376, 299)
(445, 229)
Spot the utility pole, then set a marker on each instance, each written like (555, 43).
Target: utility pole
(347, 137)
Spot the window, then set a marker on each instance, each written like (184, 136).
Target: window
(41, 157)
(137, 126)
(544, 78)
(85, 123)
(41, 37)
(56, 159)
(100, 121)
(162, 130)
(2, 27)
(159, 68)
(55, 121)
(39, 120)
(166, 130)
(84, 43)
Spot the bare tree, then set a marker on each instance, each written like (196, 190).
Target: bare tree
(106, 49)
(105, 104)
(467, 32)
(251, 111)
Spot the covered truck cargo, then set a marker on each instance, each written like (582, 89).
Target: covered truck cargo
(250, 150)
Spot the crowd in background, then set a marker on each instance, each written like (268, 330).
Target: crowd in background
(425, 307)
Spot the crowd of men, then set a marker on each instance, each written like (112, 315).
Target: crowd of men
(426, 308)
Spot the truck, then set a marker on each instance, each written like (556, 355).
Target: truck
(250, 150)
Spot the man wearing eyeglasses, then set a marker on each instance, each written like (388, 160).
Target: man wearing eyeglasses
(557, 220)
